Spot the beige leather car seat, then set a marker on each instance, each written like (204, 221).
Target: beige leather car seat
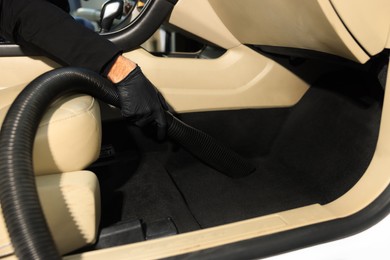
(68, 140)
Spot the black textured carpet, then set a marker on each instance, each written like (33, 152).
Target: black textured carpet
(134, 183)
(310, 153)
(316, 154)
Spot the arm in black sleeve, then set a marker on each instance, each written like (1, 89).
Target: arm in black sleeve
(63, 4)
(42, 24)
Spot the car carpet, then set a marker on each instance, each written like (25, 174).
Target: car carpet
(321, 150)
(310, 153)
(134, 184)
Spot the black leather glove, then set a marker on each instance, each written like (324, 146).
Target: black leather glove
(142, 103)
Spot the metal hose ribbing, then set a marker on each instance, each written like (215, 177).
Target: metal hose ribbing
(29, 232)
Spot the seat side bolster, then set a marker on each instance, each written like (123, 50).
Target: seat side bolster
(71, 204)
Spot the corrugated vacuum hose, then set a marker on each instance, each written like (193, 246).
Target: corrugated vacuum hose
(20, 204)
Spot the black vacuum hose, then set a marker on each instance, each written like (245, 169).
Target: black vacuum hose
(20, 204)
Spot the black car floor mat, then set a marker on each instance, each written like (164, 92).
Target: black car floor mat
(310, 153)
(321, 150)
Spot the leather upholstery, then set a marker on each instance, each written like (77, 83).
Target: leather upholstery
(68, 140)
(69, 135)
(71, 204)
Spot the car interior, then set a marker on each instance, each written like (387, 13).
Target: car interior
(296, 87)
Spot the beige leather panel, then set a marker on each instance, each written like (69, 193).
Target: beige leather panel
(388, 42)
(241, 78)
(8, 95)
(368, 21)
(68, 138)
(16, 71)
(199, 18)
(71, 203)
(305, 24)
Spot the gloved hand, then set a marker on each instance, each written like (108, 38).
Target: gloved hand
(142, 103)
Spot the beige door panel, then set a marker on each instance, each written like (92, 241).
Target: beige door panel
(241, 78)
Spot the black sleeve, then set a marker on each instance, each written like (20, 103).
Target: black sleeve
(43, 25)
(63, 4)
